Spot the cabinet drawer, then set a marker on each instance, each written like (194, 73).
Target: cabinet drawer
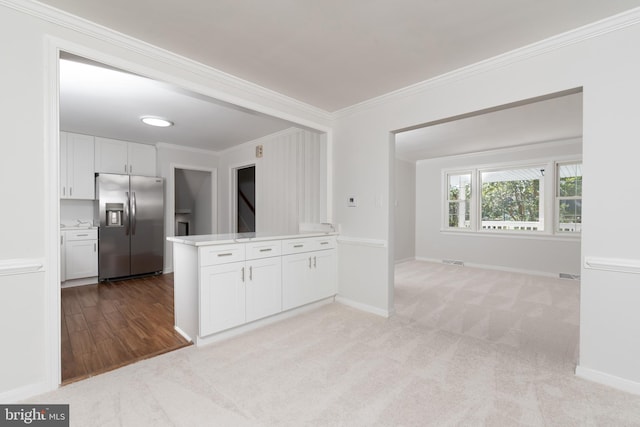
(320, 243)
(295, 246)
(81, 234)
(221, 254)
(257, 250)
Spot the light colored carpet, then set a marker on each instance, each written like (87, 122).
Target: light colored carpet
(467, 347)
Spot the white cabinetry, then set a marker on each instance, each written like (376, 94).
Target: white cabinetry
(80, 254)
(233, 292)
(76, 166)
(123, 157)
(222, 297)
(309, 273)
(223, 285)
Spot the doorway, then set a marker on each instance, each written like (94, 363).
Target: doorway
(193, 202)
(246, 199)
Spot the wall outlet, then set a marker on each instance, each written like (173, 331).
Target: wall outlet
(352, 202)
(259, 151)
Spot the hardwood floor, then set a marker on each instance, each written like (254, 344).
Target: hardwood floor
(109, 325)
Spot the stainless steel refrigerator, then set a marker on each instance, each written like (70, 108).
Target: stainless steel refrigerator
(130, 211)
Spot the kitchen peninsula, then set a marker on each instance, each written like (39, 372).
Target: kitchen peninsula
(225, 284)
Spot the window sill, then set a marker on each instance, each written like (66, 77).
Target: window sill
(513, 235)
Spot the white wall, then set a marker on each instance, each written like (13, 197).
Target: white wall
(548, 256)
(603, 61)
(290, 180)
(405, 210)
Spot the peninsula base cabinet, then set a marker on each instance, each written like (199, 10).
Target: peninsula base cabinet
(235, 284)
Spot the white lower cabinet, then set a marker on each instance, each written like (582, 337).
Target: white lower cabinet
(80, 254)
(222, 297)
(240, 283)
(308, 277)
(263, 288)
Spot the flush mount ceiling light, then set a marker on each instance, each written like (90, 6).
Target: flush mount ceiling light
(156, 121)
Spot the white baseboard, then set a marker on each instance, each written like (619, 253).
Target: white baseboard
(400, 261)
(183, 333)
(497, 267)
(80, 282)
(363, 307)
(25, 392)
(608, 380)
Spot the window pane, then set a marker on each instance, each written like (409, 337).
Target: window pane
(459, 214)
(511, 199)
(570, 180)
(460, 187)
(570, 215)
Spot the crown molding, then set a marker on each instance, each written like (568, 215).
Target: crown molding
(100, 32)
(595, 29)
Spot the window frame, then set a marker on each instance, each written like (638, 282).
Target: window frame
(558, 198)
(550, 208)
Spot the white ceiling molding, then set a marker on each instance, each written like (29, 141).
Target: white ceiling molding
(598, 28)
(81, 25)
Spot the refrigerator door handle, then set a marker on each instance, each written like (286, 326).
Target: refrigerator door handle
(127, 218)
(133, 213)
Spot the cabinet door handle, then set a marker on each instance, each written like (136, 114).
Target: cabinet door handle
(125, 168)
(243, 274)
(314, 262)
(250, 272)
(265, 250)
(226, 254)
(130, 169)
(298, 246)
(309, 262)
(81, 235)
(95, 247)
(70, 191)
(324, 243)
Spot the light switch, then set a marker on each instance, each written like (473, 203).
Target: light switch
(352, 202)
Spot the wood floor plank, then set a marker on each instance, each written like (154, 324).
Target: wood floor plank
(111, 324)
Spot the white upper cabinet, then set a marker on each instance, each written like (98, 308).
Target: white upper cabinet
(123, 157)
(76, 166)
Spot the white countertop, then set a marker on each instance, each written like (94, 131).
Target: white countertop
(220, 239)
(78, 227)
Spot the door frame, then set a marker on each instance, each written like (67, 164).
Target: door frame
(170, 209)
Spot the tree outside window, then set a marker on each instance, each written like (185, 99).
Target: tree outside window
(459, 200)
(569, 197)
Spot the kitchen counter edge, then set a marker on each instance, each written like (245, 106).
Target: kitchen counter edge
(221, 239)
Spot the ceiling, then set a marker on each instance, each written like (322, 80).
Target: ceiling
(545, 120)
(102, 101)
(334, 53)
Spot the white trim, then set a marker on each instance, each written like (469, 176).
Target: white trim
(230, 333)
(497, 268)
(403, 260)
(357, 241)
(608, 380)
(19, 394)
(612, 264)
(21, 266)
(80, 282)
(184, 148)
(363, 307)
(182, 333)
(595, 29)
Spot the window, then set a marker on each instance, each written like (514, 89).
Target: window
(569, 197)
(542, 199)
(511, 199)
(459, 200)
